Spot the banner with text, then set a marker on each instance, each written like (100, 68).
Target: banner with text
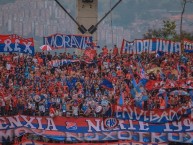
(58, 63)
(188, 46)
(29, 142)
(150, 45)
(173, 129)
(154, 116)
(58, 41)
(15, 43)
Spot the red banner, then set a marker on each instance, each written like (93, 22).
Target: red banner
(15, 43)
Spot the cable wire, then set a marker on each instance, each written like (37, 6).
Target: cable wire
(111, 22)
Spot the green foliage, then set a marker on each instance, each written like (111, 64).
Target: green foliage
(185, 35)
(168, 32)
(169, 29)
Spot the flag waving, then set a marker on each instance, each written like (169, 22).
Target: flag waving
(90, 53)
(107, 84)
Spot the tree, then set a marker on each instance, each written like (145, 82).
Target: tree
(185, 34)
(184, 2)
(167, 32)
(152, 33)
(169, 29)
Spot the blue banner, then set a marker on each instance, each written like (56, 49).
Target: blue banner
(188, 46)
(170, 129)
(58, 41)
(15, 43)
(150, 46)
(58, 63)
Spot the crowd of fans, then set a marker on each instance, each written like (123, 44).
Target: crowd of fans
(34, 85)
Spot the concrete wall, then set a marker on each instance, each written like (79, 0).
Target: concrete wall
(38, 18)
(87, 15)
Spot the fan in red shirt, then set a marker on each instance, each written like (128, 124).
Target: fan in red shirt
(115, 50)
(105, 50)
